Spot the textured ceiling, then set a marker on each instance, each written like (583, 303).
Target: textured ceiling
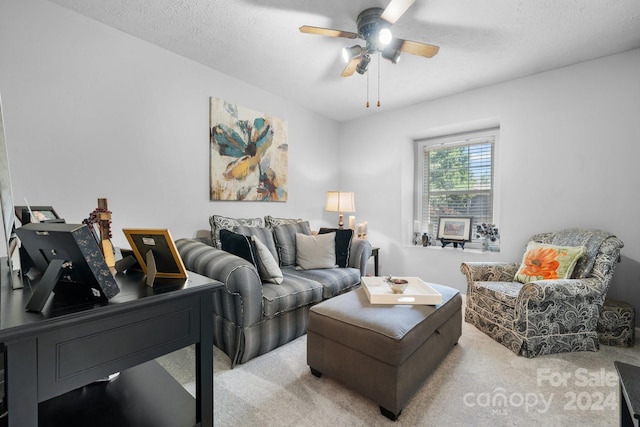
(481, 42)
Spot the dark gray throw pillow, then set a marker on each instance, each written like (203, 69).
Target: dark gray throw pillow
(285, 237)
(238, 244)
(343, 244)
(264, 234)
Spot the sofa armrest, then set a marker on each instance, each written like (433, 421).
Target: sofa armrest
(206, 240)
(489, 271)
(242, 302)
(360, 254)
(560, 289)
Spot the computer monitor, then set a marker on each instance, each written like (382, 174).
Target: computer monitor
(70, 261)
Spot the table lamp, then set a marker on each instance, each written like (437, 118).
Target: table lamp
(340, 201)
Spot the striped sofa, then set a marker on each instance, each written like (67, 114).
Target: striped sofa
(252, 317)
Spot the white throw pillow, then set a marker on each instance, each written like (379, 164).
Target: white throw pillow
(267, 265)
(316, 251)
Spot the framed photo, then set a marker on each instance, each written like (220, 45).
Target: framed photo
(454, 228)
(156, 253)
(41, 214)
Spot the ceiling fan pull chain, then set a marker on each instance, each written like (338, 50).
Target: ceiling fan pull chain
(367, 90)
(378, 79)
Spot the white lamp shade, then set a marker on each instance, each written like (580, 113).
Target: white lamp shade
(340, 201)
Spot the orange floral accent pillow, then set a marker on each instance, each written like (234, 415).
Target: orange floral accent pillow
(544, 262)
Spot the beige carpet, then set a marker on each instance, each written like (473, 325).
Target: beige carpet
(480, 383)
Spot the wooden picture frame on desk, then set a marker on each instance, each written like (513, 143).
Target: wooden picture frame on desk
(156, 253)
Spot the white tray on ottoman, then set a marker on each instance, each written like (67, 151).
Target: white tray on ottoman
(417, 292)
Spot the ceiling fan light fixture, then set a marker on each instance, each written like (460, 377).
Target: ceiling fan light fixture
(384, 36)
(363, 64)
(392, 55)
(373, 27)
(348, 53)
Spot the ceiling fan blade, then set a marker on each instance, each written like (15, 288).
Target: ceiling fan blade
(395, 10)
(351, 67)
(415, 48)
(327, 32)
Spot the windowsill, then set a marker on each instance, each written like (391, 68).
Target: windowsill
(473, 250)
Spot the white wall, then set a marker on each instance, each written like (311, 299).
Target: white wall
(568, 156)
(93, 112)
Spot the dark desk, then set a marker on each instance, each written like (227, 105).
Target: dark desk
(54, 357)
(629, 394)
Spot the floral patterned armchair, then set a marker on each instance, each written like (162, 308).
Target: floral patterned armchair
(549, 315)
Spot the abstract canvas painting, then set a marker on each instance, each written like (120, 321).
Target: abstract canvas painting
(248, 154)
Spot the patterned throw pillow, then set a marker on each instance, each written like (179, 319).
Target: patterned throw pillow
(219, 222)
(544, 262)
(272, 222)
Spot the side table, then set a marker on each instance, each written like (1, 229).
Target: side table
(376, 265)
(629, 394)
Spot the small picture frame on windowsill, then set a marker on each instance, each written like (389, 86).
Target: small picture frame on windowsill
(455, 230)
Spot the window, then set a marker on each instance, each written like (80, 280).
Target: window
(456, 178)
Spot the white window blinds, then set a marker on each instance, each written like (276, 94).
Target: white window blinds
(458, 180)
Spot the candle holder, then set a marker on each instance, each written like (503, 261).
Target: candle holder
(417, 240)
(361, 230)
(352, 222)
(417, 227)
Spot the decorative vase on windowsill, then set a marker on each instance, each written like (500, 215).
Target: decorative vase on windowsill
(490, 235)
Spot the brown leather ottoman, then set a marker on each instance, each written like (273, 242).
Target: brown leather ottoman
(384, 352)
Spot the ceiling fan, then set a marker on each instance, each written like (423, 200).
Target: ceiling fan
(373, 27)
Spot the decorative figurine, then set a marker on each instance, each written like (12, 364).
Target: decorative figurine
(101, 217)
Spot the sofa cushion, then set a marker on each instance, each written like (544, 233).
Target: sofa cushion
(238, 244)
(285, 237)
(504, 292)
(544, 262)
(294, 292)
(219, 222)
(334, 281)
(267, 265)
(272, 222)
(264, 234)
(315, 251)
(344, 237)
(491, 298)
